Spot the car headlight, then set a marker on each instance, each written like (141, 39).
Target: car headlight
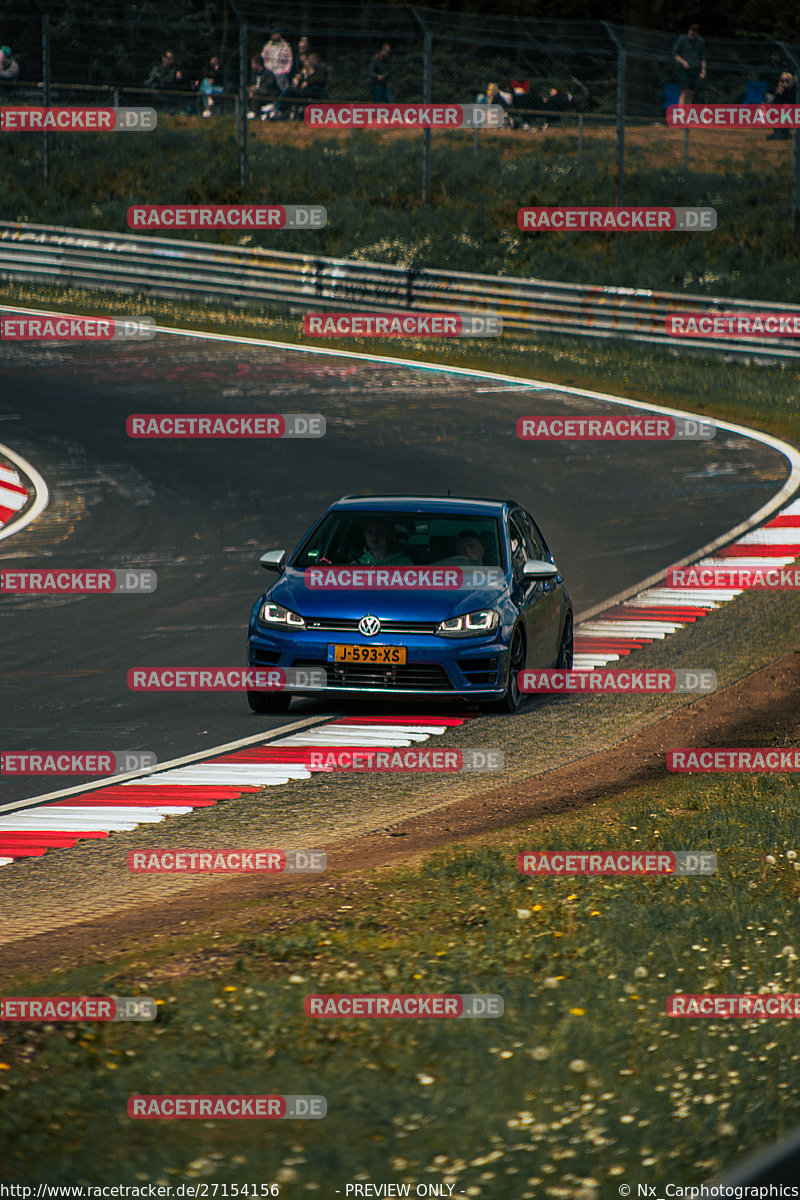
(474, 624)
(276, 614)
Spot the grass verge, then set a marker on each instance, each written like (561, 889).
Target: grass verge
(372, 188)
(584, 1083)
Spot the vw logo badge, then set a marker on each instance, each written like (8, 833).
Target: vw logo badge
(369, 625)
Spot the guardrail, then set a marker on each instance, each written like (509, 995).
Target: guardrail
(204, 271)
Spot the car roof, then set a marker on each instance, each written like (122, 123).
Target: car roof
(476, 505)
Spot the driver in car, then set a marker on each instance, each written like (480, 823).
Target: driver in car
(377, 543)
(469, 545)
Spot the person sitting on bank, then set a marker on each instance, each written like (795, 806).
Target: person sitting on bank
(312, 86)
(210, 85)
(9, 67)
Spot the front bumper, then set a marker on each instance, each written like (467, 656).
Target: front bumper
(435, 666)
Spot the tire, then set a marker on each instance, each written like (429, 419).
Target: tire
(564, 660)
(516, 663)
(269, 702)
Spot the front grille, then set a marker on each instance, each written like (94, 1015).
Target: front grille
(350, 625)
(482, 672)
(421, 676)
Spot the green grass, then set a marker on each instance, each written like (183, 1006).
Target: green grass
(372, 193)
(583, 1078)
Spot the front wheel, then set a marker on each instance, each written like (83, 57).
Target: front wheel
(516, 663)
(269, 702)
(564, 660)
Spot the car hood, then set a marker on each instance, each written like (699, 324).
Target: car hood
(411, 604)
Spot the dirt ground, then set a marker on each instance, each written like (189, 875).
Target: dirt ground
(717, 150)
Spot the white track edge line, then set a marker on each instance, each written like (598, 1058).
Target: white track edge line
(266, 735)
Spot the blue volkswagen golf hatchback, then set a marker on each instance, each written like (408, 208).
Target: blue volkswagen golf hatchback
(414, 596)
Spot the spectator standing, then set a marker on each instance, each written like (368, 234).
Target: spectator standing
(689, 53)
(379, 75)
(785, 93)
(277, 59)
(9, 67)
(165, 75)
(301, 58)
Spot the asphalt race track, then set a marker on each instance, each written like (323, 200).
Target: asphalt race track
(200, 513)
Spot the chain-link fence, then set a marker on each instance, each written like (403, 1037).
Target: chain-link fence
(585, 123)
(605, 80)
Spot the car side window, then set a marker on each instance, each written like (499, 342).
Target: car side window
(536, 539)
(521, 546)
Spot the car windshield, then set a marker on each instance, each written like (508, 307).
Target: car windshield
(347, 538)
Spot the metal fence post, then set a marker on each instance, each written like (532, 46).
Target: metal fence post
(795, 154)
(622, 62)
(427, 96)
(621, 70)
(240, 108)
(244, 65)
(427, 93)
(46, 91)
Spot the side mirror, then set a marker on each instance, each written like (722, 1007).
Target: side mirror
(273, 560)
(535, 569)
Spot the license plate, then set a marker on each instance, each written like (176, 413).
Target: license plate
(389, 655)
